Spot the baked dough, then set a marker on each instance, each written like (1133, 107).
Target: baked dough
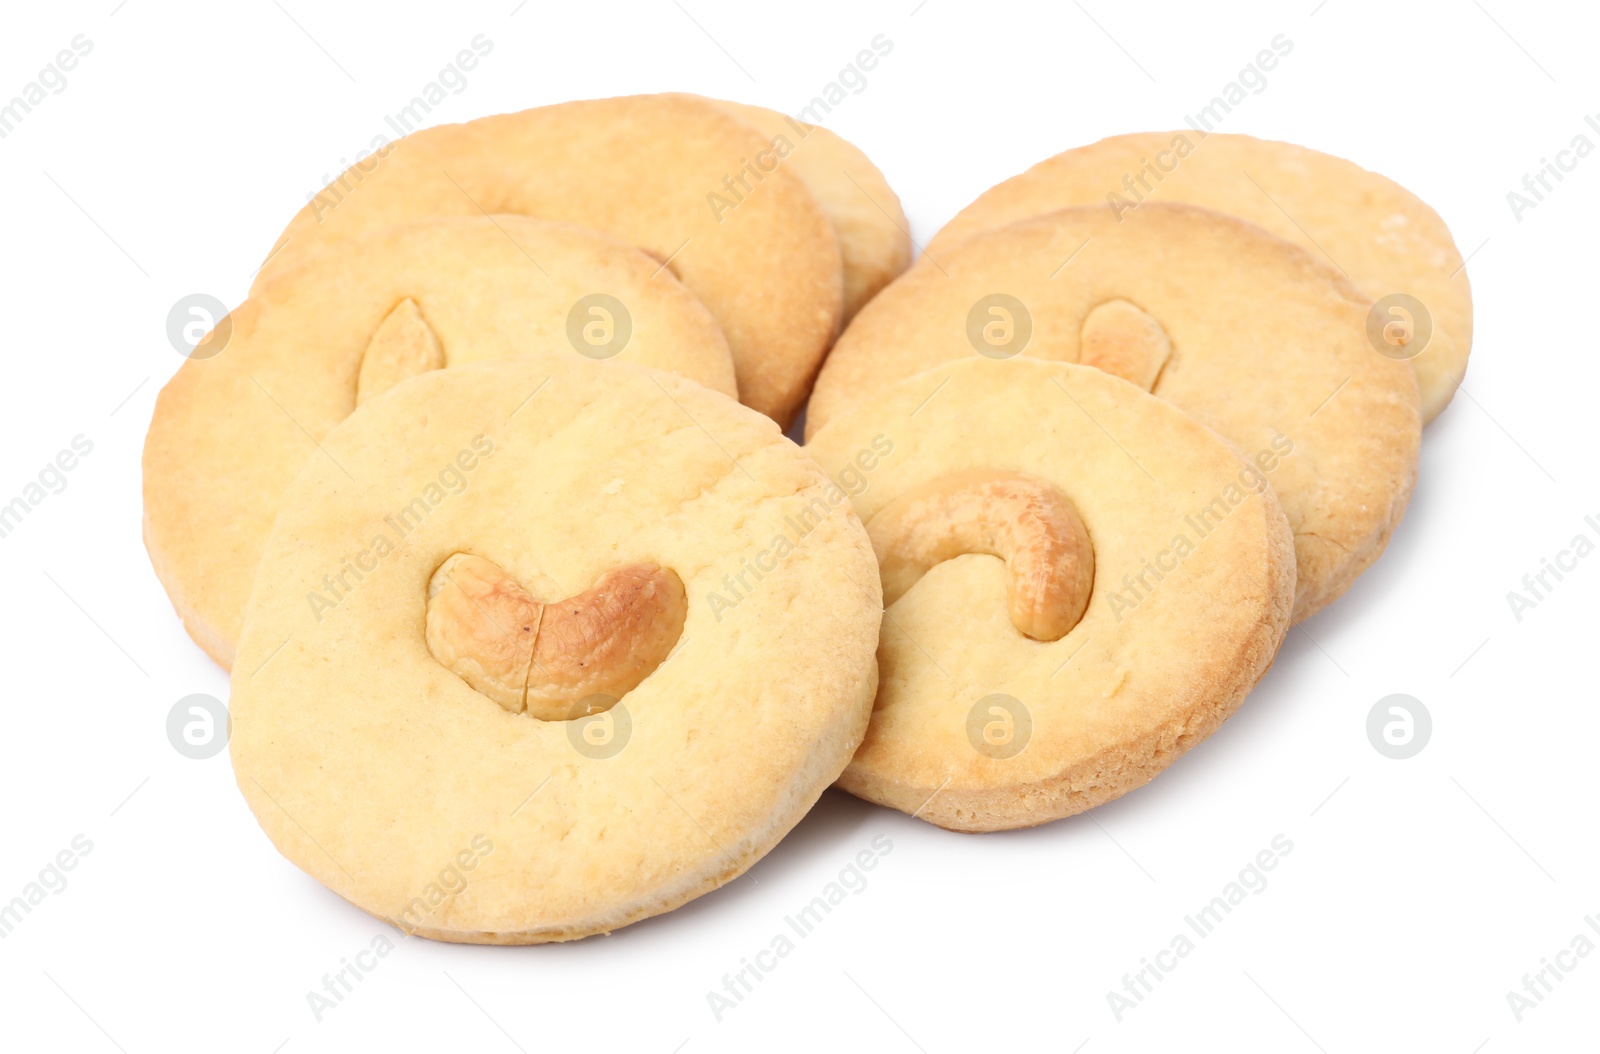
(979, 727)
(231, 431)
(1386, 239)
(1247, 333)
(644, 169)
(375, 768)
(874, 235)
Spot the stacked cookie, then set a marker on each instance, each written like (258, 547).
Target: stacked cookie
(513, 587)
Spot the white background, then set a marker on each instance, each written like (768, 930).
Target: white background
(1418, 892)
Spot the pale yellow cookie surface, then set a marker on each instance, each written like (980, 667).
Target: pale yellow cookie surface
(1380, 235)
(383, 773)
(980, 727)
(230, 431)
(874, 235)
(1249, 334)
(644, 169)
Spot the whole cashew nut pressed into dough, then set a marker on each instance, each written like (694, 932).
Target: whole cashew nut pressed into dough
(1030, 525)
(545, 659)
(1122, 339)
(403, 346)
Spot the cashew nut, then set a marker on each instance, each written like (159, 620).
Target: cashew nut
(404, 346)
(543, 659)
(482, 625)
(1030, 525)
(1122, 339)
(605, 641)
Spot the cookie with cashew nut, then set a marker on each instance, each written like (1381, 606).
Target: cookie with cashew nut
(1081, 583)
(231, 431)
(874, 235)
(1252, 336)
(646, 169)
(571, 644)
(1384, 238)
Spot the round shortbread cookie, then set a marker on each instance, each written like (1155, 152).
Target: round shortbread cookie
(230, 431)
(1081, 583)
(645, 169)
(874, 235)
(1247, 333)
(418, 733)
(1380, 235)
